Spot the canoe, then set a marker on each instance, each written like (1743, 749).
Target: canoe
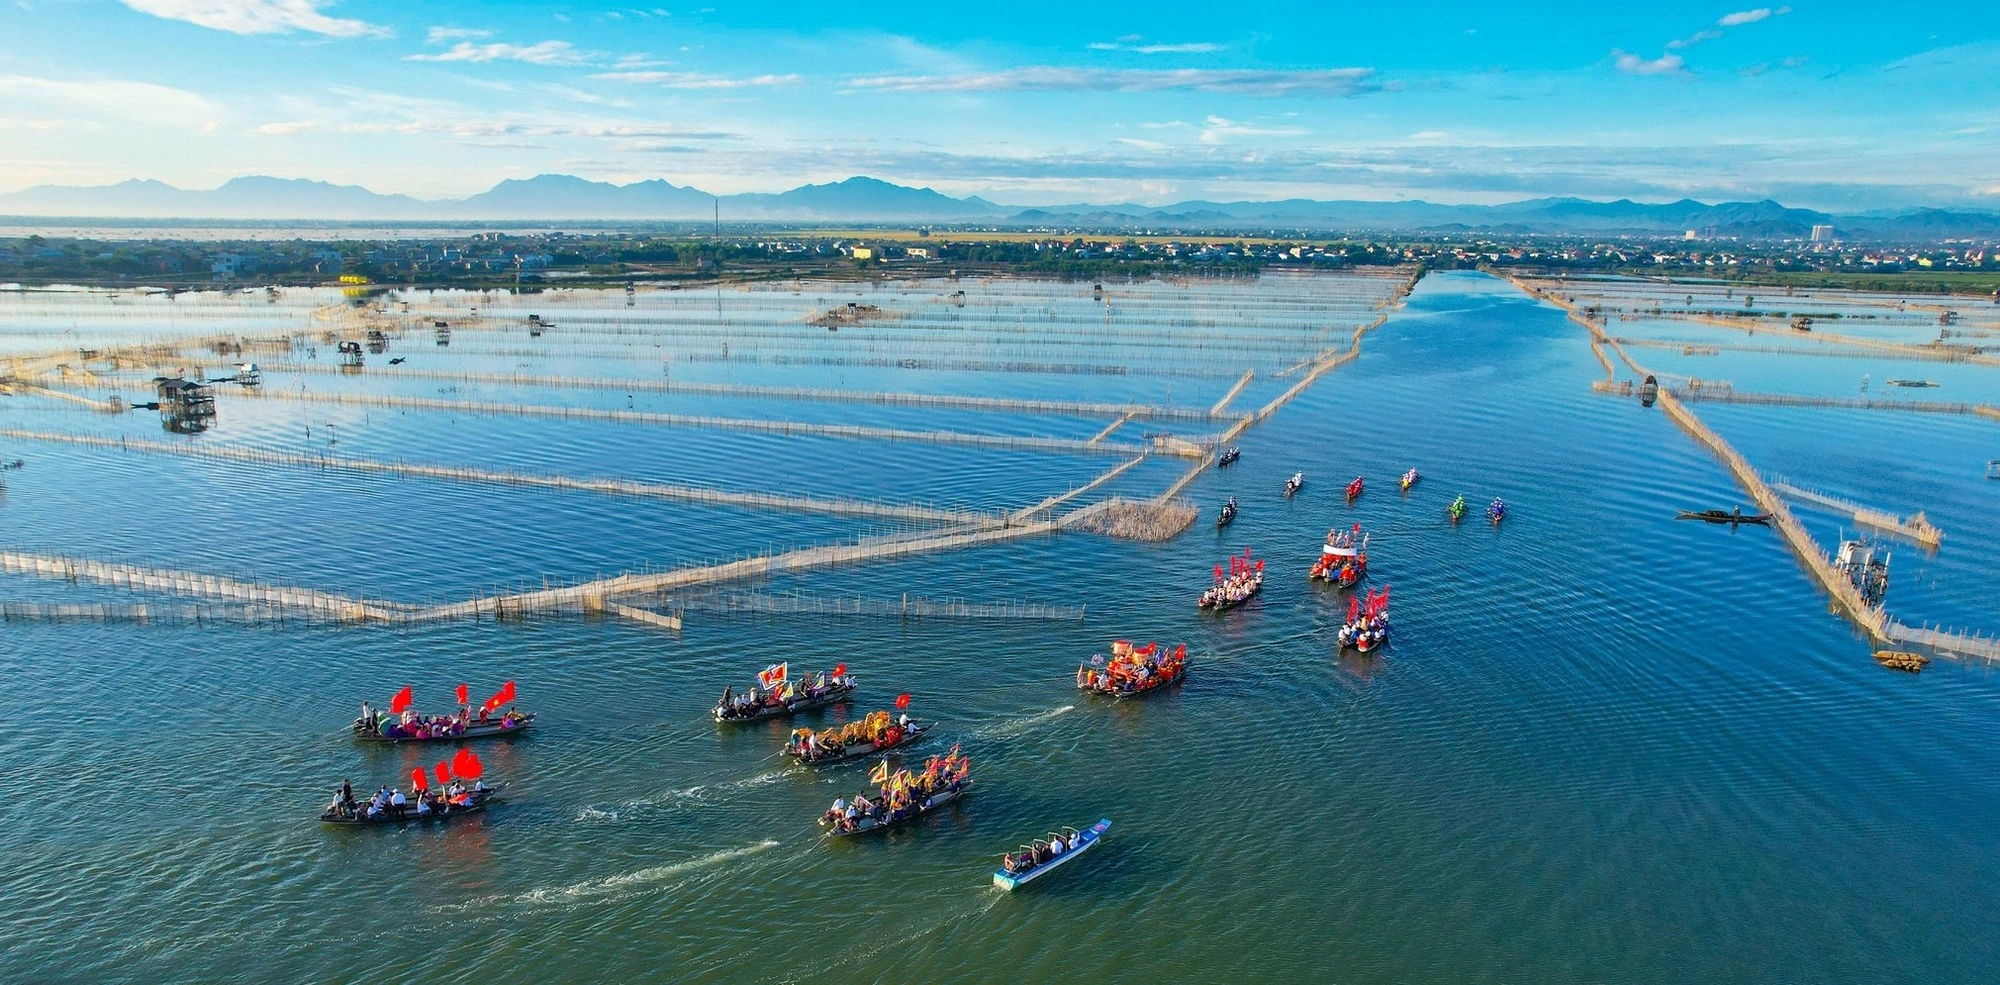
(832, 696)
(917, 731)
(1087, 841)
(359, 820)
(473, 730)
(869, 824)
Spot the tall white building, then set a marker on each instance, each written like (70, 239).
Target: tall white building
(1822, 234)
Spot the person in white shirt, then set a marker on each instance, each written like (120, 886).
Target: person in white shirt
(396, 799)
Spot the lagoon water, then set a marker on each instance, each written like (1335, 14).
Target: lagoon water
(1604, 745)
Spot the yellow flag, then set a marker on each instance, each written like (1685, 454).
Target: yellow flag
(881, 774)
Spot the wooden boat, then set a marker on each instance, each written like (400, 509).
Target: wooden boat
(1354, 489)
(1222, 602)
(478, 803)
(1899, 660)
(1457, 509)
(1497, 511)
(1410, 479)
(1080, 842)
(1225, 516)
(1132, 672)
(834, 695)
(1727, 516)
(872, 823)
(1294, 484)
(1229, 456)
(859, 749)
(1343, 558)
(475, 729)
(1920, 384)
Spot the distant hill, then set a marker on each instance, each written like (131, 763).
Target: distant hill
(863, 199)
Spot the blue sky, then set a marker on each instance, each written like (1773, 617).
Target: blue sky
(1832, 105)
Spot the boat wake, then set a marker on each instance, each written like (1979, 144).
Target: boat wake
(699, 795)
(611, 887)
(1014, 728)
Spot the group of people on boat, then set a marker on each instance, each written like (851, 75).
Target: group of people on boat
(1409, 479)
(1132, 669)
(1040, 853)
(390, 803)
(775, 693)
(412, 725)
(901, 794)
(1343, 559)
(1497, 511)
(1246, 578)
(1367, 625)
(875, 731)
(1295, 483)
(1227, 513)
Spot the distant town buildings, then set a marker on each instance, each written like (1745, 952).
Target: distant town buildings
(1822, 234)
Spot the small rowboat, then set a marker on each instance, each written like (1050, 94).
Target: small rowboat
(1457, 509)
(490, 729)
(874, 823)
(859, 749)
(1227, 514)
(478, 802)
(1294, 484)
(1726, 516)
(1080, 842)
(1410, 479)
(1496, 512)
(1354, 489)
(834, 695)
(1229, 457)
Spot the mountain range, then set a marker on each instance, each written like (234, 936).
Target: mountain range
(566, 197)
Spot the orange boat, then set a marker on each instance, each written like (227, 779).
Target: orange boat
(1132, 671)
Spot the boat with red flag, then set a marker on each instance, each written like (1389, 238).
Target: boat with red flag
(1343, 559)
(1354, 489)
(900, 796)
(1367, 626)
(1244, 581)
(1132, 671)
(403, 723)
(877, 732)
(779, 695)
(460, 790)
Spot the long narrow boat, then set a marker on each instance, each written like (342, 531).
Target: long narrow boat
(1354, 489)
(478, 802)
(1080, 842)
(491, 728)
(880, 823)
(859, 749)
(834, 694)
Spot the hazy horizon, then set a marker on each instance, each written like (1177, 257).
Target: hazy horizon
(1470, 104)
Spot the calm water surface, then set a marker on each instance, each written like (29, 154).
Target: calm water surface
(1605, 746)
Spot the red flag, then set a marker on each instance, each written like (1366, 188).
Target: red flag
(1218, 572)
(1353, 607)
(443, 773)
(1246, 552)
(400, 702)
(417, 779)
(464, 697)
(466, 766)
(903, 701)
(1357, 528)
(500, 697)
(839, 670)
(1260, 564)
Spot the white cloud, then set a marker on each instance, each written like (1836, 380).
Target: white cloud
(1632, 64)
(439, 35)
(258, 16)
(1129, 43)
(696, 80)
(539, 53)
(1694, 39)
(1751, 16)
(1429, 135)
(1047, 78)
(1216, 130)
(287, 129)
(99, 100)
